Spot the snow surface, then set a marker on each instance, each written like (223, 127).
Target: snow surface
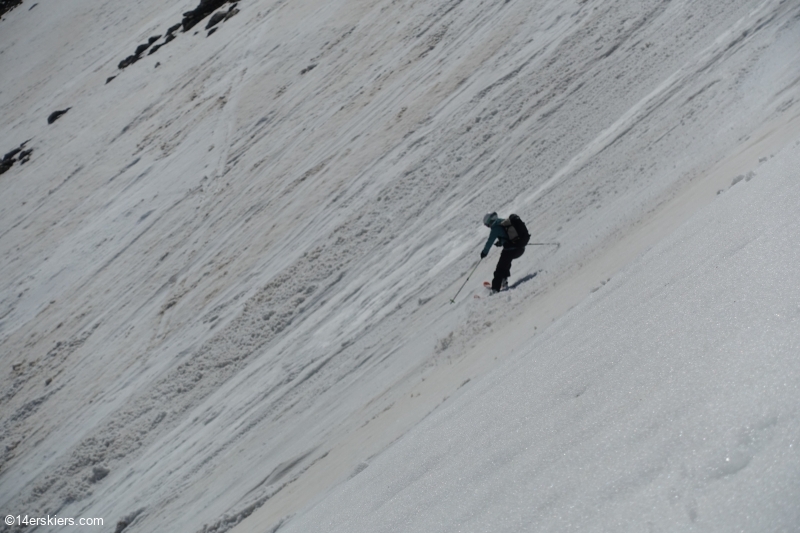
(666, 401)
(225, 279)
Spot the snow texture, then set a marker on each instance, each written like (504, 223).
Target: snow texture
(226, 272)
(667, 401)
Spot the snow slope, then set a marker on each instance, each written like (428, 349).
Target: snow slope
(666, 401)
(226, 275)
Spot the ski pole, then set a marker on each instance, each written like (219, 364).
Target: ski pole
(466, 280)
(544, 244)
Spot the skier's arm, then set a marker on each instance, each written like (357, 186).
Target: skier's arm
(489, 242)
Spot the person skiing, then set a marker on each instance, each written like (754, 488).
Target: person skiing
(510, 251)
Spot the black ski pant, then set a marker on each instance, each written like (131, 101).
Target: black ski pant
(503, 269)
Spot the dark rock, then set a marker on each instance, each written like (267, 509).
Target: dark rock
(215, 19)
(141, 48)
(168, 38)
(55, 115)
(308, 68)
(212, 31)
(8, 5)
(128, 61)
(153, 39)
(158, 65)
(109, 79)
(11, 157)
(231, 12)
(154, 49)
(203, 9)
(173, 29)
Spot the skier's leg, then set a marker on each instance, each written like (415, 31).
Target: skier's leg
(503, 269)
(515, 254)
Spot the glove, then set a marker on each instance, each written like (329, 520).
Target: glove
(498, 244)
(484, 254)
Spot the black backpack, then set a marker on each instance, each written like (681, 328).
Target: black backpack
(517, 231)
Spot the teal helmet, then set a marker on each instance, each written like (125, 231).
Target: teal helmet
(489, 219)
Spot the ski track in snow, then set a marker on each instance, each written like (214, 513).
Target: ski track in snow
(217, 267)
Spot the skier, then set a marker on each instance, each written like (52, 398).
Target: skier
(510, 251)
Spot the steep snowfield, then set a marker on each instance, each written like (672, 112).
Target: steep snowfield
(225, 275)
(666, 401)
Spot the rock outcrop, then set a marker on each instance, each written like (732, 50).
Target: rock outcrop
(8, 5)
(190, 19)
(203, 9)
(20, 155)
(55, 115)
